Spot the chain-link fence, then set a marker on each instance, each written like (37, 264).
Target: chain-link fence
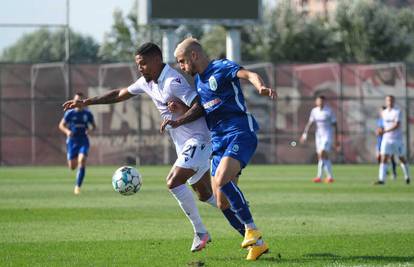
(31, 98)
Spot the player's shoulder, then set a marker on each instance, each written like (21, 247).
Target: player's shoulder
(69, 113)
(174, 78)
(223, 63)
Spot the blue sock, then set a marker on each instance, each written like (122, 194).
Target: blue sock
(79, 176)
(237, 202)
(233, 220)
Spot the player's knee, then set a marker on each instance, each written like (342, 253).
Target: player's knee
(223, 205)
(204, 196)
(172, 181)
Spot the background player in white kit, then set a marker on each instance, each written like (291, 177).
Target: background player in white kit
(192, 140)
(326, 126)
(392, 141)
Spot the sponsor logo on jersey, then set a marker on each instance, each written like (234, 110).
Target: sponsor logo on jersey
(177, 80)
(235, 148)
(213, 83)
(212, 103)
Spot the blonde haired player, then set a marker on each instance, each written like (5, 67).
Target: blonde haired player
(392, 141)
(232, 128)
(326, 127)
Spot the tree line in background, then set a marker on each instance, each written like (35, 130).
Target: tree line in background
(361, 32)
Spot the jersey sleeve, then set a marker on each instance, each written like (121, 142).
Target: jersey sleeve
(91, 119)
(312, 116)
(137, 87)
(182, 90)
(230, 69)
(66, 116)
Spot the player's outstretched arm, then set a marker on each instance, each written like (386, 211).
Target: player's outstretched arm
(257, 82)
(111, 97)
(193, 113)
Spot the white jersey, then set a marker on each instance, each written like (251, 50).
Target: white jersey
(171, 85)
(390, 117)
(324, 118)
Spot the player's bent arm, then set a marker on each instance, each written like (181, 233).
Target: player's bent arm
(257, 82)
(63, 128)
(195, 111)
(392, 128)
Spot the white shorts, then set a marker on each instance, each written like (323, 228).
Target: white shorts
(323, 144)
(196, 156)
(392, 147)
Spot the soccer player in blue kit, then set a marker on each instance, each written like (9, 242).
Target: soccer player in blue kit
(75, 125)
(233, 129)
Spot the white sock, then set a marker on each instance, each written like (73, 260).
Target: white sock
(406, 170)
(328, 167)
(186, 201)
(212, 201)
(382, 171)
(250, 226)
(320, 168)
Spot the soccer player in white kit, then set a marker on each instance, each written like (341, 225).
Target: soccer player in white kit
(326, 127)
(392, 141)
(192, 140)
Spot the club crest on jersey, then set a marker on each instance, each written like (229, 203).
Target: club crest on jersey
(213, 83)
(235, 148)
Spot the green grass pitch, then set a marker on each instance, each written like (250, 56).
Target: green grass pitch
(348, 223)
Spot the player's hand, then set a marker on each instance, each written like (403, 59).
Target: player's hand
(177, 107)
(166, 124)
(69, 134)
(266, 91)
(71, 104)
(379, 131)
(303, 138)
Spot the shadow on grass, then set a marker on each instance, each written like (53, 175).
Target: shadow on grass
(330, 257)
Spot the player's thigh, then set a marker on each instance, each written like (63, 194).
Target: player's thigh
(237, 155)
(227, 170)
(196, 156)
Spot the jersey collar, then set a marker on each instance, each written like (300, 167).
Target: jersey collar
(163, 74)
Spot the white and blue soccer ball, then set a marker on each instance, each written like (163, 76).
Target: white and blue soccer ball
(127, 180)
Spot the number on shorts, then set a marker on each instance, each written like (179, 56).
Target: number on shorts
(189, 151)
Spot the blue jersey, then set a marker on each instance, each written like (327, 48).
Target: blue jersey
(380, 124)
(77, 121)
(222, 98)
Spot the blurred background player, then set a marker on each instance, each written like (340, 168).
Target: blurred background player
(379, 132)
(392, 140)
(75, 125)
(325, 120)
(192, 141)
(233, 129)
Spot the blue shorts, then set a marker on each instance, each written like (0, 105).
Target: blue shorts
(240, 146)
(76, 146)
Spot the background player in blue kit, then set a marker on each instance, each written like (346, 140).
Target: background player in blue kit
(233, 129)
(75, 125)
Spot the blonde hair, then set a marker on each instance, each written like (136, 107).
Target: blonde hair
(188, 45)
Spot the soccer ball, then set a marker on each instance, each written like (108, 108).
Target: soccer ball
(127, 180)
